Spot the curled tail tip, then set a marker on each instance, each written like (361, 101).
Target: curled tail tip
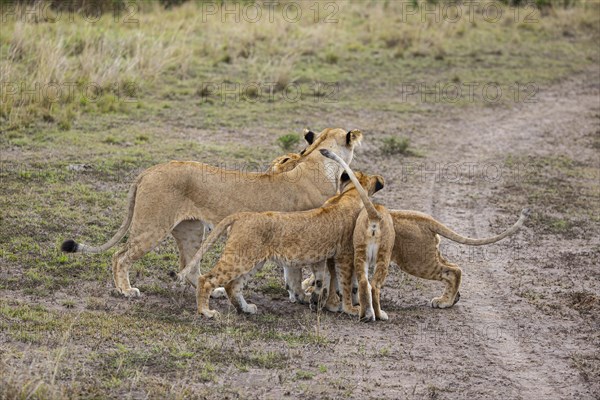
(69, 246)
(526, 212)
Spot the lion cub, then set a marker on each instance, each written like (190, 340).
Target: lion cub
(416, 251)
(373, 241)
(292, 238)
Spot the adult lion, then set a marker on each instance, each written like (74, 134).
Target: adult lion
(182, 197)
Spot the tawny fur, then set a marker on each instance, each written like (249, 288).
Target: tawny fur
(373, 241)
(293, 276)
(182, 198)
(294, 238)
(286, 162)
(416, 251)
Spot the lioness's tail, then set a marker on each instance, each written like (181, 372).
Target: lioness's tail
(70, 246)
(371, 211)
(448, 233)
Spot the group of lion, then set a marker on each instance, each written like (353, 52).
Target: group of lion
(307, 209)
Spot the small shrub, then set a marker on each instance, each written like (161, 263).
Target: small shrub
(304, 375)
(141, 138)
(287, 142)
(331, 58)
(396, 145)
(112, 140)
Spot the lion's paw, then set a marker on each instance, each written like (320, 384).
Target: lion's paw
(333, 304)
(180, 280)
(382, 315)
(131, 292)
(351, 310)
(250, 309)
(369, 315)
(368, 318)
(440, 302)
(301, 298)
(210, 313)
(456, 298)
(219, 293)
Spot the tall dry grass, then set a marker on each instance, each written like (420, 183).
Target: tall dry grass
(113, 57)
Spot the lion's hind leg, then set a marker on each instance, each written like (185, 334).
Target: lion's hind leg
(361, 271)
(345, 268)
(379, 275)
(225, 271)
(234, 292)
(451, 275)
(134, 249)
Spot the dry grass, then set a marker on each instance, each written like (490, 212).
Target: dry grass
(75, 63)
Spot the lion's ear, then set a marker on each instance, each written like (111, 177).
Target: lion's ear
(379, 183)
(344, 180)
(309, 136)
(354, 137)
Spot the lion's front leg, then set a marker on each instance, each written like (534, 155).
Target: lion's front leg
(333, 300)
(355, 298)
(293, 283)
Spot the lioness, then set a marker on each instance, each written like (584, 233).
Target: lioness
(293, 238)
(373, 241)
(182, 198)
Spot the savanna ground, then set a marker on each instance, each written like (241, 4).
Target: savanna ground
(116, 95)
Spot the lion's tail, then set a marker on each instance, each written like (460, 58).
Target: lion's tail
(71, 246)
(448, 233)
(373, 214)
